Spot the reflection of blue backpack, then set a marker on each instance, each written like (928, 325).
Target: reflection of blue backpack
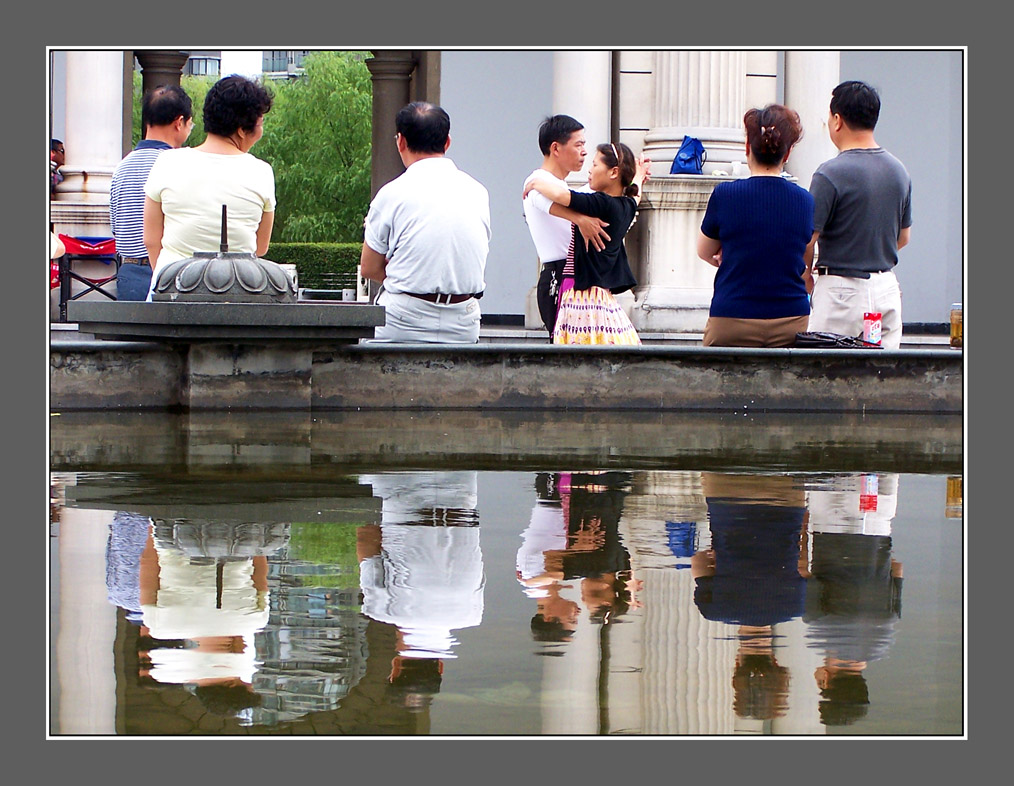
(690, 158)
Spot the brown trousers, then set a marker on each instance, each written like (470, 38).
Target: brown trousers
(731, 332)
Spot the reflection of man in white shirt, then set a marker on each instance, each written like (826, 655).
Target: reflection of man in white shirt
(421, 569)
(427, 236)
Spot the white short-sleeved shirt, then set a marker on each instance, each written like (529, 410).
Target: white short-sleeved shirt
(192, 186)
(551, 234)
(432, 224)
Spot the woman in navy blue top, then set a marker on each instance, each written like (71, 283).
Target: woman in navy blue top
(755, 231)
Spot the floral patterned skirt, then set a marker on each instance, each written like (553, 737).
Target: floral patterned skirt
(592, 316)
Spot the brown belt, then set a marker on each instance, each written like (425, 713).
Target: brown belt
(437, 297)
(135, 260)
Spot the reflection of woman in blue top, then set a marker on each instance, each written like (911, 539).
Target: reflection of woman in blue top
(755, 231)
(751, 575)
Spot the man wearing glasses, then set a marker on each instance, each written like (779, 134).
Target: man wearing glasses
(427, 236)
(56, 160)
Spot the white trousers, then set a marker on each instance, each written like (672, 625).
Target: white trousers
(838, 305)
(409, 319)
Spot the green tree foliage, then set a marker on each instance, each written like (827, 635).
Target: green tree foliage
(317, 138)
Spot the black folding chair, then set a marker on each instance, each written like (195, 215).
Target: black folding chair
(102, 249)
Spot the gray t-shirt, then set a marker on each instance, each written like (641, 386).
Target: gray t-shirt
(862, 201)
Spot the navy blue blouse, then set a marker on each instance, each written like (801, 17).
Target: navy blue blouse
(764, 225)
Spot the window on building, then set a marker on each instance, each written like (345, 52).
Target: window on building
(202, 66)
(283, 60)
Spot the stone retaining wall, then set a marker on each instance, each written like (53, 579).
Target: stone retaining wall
(112, 374)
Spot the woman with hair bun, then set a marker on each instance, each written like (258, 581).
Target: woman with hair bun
(587, 311)
(187, 187)
(755, 231)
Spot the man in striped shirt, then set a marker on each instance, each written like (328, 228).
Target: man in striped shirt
(166, 122)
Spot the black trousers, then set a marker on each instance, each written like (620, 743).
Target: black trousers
(547, 292)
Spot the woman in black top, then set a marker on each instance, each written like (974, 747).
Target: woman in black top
(588, 313)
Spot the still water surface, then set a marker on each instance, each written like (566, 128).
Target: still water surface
(213, 578)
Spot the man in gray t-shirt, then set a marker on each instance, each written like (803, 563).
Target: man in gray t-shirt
(862, 217)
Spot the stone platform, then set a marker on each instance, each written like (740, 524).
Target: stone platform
(322, 374)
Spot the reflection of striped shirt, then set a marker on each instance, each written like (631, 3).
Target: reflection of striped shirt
(126, 197)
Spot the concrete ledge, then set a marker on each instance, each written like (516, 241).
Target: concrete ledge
(107, 374)
(679, 378)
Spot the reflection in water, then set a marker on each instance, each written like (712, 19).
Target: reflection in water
(203, 595)
(854, 588)
(574, 535)
(421, 571)
(643, 602)
(752, 577)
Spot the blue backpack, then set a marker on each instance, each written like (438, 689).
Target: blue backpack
(690, 158)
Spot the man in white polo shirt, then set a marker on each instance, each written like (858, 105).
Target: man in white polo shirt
(427, 236)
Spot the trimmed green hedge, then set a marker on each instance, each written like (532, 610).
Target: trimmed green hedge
(320, 265)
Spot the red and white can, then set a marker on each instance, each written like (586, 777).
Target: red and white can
(872, 324)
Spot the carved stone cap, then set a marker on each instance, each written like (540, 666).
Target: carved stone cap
(224, 277)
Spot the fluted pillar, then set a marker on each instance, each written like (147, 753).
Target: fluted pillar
(700, 94)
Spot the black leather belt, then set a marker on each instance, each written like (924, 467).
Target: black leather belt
(135, 260)
(840, 271)
(442, 299)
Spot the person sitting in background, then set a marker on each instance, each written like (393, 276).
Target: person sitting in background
(755, 231)
(166, 122)
(427, 236)
(187, 188)
(56, 160)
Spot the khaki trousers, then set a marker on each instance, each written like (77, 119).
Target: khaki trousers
(732, 332)
(839, 303)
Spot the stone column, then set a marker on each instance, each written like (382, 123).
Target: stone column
(94, 126)
(700, 94)
(160, 67)
(391, 75)
(581, 89)
(581, 83)
(809, 79)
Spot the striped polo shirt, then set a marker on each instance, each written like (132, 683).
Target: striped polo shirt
(126, 197)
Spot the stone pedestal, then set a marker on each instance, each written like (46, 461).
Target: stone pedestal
(674, 285)
(249, 376)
